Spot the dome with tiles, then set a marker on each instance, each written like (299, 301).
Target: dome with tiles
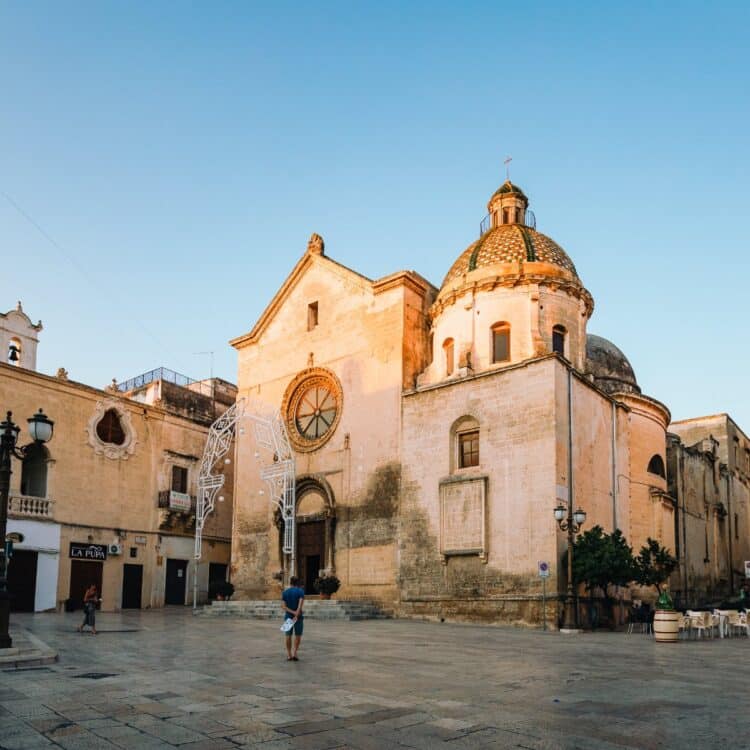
(509, 243)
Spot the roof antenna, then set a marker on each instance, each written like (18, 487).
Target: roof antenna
(211, 354)
(508, 160)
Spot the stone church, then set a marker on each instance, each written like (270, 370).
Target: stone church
(436, 428)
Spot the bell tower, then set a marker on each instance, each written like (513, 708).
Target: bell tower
(19, 338)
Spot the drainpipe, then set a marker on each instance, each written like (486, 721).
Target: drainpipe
(574, 596)
(730, 530)
(614, 466)
(681, 475)
(570, 437)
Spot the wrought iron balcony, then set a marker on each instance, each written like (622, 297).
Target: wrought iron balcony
(26, 506)
(177, 501)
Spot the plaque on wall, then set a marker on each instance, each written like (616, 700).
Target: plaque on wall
(462, 516)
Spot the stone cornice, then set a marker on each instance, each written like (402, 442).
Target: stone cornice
(520, 277)
(410, 279)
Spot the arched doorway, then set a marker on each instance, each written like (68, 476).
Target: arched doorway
(315, 530)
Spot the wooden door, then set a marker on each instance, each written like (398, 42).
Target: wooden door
(22, 580)
(82, 574)
(174, 591)
(311, 542)
(132, 584)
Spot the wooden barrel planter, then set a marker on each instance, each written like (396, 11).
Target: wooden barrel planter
(666, 626)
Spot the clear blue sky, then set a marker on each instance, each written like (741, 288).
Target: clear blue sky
(181, 154)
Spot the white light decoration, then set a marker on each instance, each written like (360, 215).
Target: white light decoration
(277, 468)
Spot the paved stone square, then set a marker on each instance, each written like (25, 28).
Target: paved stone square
(161, 679)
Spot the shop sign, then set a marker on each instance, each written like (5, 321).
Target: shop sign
(80, 551)
(179, 500)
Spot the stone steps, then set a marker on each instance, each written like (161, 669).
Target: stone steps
(319, 609)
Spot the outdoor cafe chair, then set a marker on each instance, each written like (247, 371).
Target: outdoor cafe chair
(699, 621)
(683, 625)
(737, 623)
(725, 628)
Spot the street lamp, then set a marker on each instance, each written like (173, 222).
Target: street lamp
(572, 524)
(40, 429)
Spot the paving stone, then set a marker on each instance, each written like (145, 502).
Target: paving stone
(209, 744)
(26, 741)
(84, 741)
(171, 733)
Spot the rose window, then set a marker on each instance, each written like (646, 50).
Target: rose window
(312, 405)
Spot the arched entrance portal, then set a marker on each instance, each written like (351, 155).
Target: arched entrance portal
(316, 520)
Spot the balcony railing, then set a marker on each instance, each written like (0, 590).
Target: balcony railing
(171, 500)
(25, 506)
(169, 376)
(486, 224)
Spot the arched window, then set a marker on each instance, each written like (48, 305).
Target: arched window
(464, 443)
(501, 342)
(14, 352)
(109, 428)
(34, 471)
(558, 339)
(656, 466)
(448, 349)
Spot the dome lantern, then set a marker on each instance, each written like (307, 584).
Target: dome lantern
(507, 205)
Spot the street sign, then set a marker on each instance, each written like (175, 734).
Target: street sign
(544, 569)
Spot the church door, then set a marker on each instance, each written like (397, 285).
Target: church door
(310, 553)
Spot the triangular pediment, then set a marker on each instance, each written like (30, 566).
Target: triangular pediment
(308, 261)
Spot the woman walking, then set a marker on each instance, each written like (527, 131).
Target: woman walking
(90, 600)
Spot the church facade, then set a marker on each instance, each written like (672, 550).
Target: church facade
(435, 429)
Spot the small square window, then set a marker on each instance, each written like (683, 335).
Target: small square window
(134, 551)
(468, 449)
(179, 479)
(312, 315)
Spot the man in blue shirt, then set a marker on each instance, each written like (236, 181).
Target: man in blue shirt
(293, 599)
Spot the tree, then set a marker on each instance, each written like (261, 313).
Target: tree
(601, 560)
(654, 565)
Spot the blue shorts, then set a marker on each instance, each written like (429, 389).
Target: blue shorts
(297, 629)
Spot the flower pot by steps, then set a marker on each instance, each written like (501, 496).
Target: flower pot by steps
(325, 596)
(666, 626)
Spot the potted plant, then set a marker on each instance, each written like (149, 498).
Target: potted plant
(221, 590)
(654, 565)
(327, 585)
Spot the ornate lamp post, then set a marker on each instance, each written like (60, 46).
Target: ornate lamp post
(40, 429)
(572, 524)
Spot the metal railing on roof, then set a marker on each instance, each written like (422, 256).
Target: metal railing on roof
(486, 224)
(168, 376)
